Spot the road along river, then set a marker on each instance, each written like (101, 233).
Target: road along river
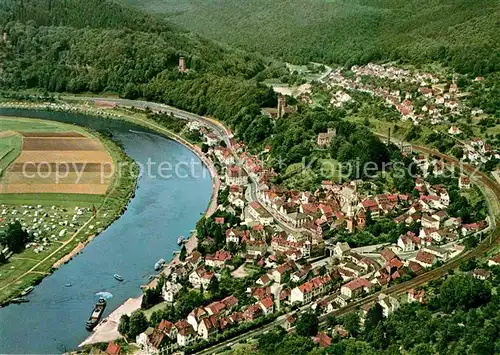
(163, 208)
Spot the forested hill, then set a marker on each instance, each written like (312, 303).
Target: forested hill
(79, 14)
(459, 33)
(98, 46)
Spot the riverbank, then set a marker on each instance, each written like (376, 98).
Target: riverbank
(31, 266)
(107, 329)
(107, 112)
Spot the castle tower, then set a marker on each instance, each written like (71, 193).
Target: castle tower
(361, 220)
(182, 64)
(281, 106)
(350, 211)
(350, 224)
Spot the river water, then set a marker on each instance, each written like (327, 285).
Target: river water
(162, 209)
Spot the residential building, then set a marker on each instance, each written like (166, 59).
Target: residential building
(258, 212)
(208, 326)
(267, 305)
(236, 175)
(464, 182)
(405, 242)
(425, 259)
(218, 259)
(355, 287)
(169, 290)
(494, 260)
(481, 274)
(200, 277)
(389, 304)
(186, 334)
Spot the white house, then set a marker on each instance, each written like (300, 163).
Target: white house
(200, 276)
(406, 243)
(236, 175)
(389, 304)
(169, 290)
(186, 334)
(258, 212)
(355, 287)
(464, 182)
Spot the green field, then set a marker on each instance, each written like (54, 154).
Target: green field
(10, 147)
(19, 124)
(57, 211)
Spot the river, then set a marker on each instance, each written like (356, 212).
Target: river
(162, 209)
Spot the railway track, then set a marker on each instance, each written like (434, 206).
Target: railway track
(484, 246)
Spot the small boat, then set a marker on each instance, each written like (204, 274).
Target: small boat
(19, 300)
(27, 290)
(96, 314)
(67, 285)
(159, 264)
(118, 277)
(180, 240)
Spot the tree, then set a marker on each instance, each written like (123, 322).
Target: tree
(15, 237)
(463, 292)
(213, 286)
(123, 326)
(351, 323)
(307, 324)
(373, 317)
(137, 324)
(183, 253)
(151, 297)
(268, 342)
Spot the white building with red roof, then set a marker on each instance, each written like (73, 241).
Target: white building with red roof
(218, 259)
(200, 277)
(355, 287)
(425, 259)
(267, 305)
(494, 260)
(236, 175)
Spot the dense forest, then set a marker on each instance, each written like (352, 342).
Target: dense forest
(99, 46)
(459, 33)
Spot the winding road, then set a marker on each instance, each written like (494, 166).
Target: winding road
(493, 197)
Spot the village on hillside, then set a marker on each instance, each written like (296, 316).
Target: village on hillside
(284, 247)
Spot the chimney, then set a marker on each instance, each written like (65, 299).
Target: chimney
(389, 136)
(4, 36)
(182, 65)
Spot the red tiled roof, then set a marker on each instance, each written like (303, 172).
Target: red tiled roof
(216, 307)
(267, 302)
(387, 254)
(369, 204)
(113, 349)
(425, 257)
(230, 301)
(184, 327)
(165, 326)
(219, 220)
(357, 283)
(323, 340)
(156, 338)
